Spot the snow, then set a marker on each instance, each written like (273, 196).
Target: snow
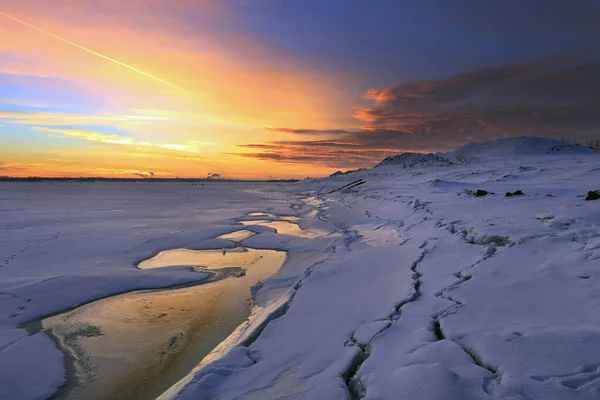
(29, 367)
(502, 148)
(66, 244)
(521, 146)
(414, 287)
(416, 159)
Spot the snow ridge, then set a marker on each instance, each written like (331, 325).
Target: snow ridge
(508, 147)
(412, 160)
(356, 388)
(519, 146)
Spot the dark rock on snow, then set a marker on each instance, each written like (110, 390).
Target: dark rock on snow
(593, 195)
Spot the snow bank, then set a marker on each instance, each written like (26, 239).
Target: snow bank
(422, 290)
(501, 148)
(66, 244)
(429, 292)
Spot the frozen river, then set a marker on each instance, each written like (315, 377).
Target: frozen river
(432, 280)
(63, 244)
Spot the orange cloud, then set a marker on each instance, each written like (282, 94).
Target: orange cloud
(379, 95)
(234, 78)
(23, 170)
(110, 51)
(363, 114)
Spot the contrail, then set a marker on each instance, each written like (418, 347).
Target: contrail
(146, 74)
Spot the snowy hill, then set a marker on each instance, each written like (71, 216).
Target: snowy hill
(409, 160)
(413, 160)
(434, 293)
(501, 148)
(520, 146)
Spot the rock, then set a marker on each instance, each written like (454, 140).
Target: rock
(481, 193)
(593, 195)
(517, 193)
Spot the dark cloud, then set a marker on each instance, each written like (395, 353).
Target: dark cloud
(336, 158)
(556, 97)
(213, 175)
(355, 149)
(310, 131)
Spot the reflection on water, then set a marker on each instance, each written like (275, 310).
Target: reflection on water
(205, 259)
(137, 345)
(282, 227)
(237, 236)
(274, 216)
(262, 215)
(289, 218)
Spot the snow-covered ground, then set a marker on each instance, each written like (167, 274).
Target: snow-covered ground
(65, 244)
(422, 290)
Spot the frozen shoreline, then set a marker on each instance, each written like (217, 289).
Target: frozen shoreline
(90, 238)
(420, 281)
(431, 292)
(138, 344)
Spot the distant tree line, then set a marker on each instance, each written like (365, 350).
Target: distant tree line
(593, 144)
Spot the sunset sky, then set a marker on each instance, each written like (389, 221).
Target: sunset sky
(282, 89)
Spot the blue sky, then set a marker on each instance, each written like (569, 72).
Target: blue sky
(234, 86)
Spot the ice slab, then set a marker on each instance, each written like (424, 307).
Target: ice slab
(203, 259)
(137, 345)
(238, 236)
(283, 227)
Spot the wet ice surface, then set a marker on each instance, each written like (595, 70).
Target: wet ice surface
(237, 236)
(262, 214)
(285, 227)
(63, 244)
(424, 291)
(434, 293)
(137, 345)
(209, 259)
(291, 218)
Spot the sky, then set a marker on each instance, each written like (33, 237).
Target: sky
(284, 88)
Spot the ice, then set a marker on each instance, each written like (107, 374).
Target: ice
(416, 289)
(63, 244)
(285, 227)
(137, 345)
(237, 236)
(31, 368)
(485, 284)
(204, 259)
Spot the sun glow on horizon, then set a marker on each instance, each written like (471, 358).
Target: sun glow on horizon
(62, 109)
